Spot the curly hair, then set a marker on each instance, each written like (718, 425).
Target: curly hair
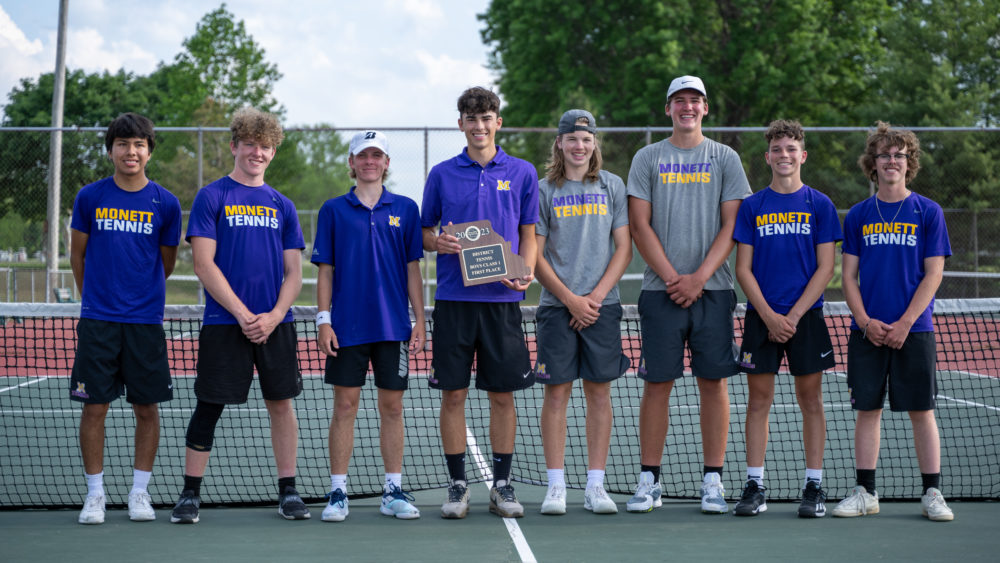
(130, 126)
(478, 100)
(782, 128)
(251, 124)
(882, 139)
(555, 168)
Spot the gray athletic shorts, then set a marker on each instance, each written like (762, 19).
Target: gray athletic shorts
(593, 354)
(706, 326)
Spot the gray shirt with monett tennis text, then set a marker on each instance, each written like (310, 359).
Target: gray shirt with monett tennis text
(686, 188)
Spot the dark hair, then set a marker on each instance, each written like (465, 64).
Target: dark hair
(478, 100)
(781, 128)
(884, 137)
(130, 126)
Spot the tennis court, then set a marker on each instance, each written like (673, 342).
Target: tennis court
(42, 466)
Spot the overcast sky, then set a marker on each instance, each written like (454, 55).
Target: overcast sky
(354, 64)
(373, 64)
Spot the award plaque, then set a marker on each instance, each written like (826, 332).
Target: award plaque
(485, 256)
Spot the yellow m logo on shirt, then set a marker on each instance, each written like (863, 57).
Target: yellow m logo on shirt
(503, 185)
(393, 221)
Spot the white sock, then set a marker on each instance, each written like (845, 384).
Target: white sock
(95, 484)
(757, 474)
(595, 478)
(393, 480)
(140, 479)
(813, 475)
(556, 477)
(338, 482)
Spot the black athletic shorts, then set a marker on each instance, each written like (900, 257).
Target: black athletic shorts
(809, 350)
(114, 358)
(390, 363)
(908, 374)
(226, 359)
(489, 332)
(706, 326)
(593, 354)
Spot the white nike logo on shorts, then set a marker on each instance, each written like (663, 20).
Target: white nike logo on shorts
(825, 354)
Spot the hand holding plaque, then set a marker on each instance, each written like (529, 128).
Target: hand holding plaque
(485, 256)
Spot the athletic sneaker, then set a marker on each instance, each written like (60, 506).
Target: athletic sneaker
(858, 504)
(291, 506)
(753, 500)
(713, 495)
(140, 507)
(93, 510)
(396, 502)
(555, 500)
(647, 494)
(336, 510)
(504, 503)
(934, 507)
(457, 505)
(813, 503)
(186, 509)
(596, 500)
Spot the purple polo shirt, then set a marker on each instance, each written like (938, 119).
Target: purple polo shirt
(369, 250)
(459, 190)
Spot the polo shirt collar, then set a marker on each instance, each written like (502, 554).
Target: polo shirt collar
(466, 160)
(386, 198)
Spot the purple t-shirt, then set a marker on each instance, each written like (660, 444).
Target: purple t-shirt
(891, 253)
(252, 227)
(784, 230)
(370, 250)
(459, 190)
(123, 267)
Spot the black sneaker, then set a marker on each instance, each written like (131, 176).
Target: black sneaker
(752, 500)
(813, 499)
(186, 509)
(290, 505)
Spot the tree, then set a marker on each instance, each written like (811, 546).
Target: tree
(758, 59)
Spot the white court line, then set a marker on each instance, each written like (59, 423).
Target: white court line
(25, 384)
(512, 528)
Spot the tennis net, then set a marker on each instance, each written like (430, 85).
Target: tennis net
(41, 467)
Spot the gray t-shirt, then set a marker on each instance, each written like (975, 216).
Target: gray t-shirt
(685, 188)
(577, 220)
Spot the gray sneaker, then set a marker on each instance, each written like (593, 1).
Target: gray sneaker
(504, 503)
(647, 494)
(713, 495)
(457, 505)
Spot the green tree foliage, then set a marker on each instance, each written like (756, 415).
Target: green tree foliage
(220, 69)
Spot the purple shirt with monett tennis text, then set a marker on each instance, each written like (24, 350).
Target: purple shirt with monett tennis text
(891, 241)
(252, 226)
(459, 190)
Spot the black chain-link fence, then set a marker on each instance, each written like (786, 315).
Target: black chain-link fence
(960, 170)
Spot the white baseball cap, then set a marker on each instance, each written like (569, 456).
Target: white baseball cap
(686, 83)
(366, 139)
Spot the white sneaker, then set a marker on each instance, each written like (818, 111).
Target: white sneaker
(934, 507)
(858, 504)
(555, 500)
(140, 507)
(397, 502)
(93, 510)
(336, 510)
(647, 494)
(713, 495)
(596, 500)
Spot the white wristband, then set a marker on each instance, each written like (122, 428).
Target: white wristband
(322, 318)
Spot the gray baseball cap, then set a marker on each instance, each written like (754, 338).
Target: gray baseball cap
(568, 121)
(686, 83)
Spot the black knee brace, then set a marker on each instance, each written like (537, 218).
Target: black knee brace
(201, 429)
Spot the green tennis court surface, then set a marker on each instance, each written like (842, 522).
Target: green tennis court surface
(40, 461)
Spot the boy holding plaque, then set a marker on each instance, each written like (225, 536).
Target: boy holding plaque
(481, 322)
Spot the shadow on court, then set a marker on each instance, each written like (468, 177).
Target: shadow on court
(676, 532)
